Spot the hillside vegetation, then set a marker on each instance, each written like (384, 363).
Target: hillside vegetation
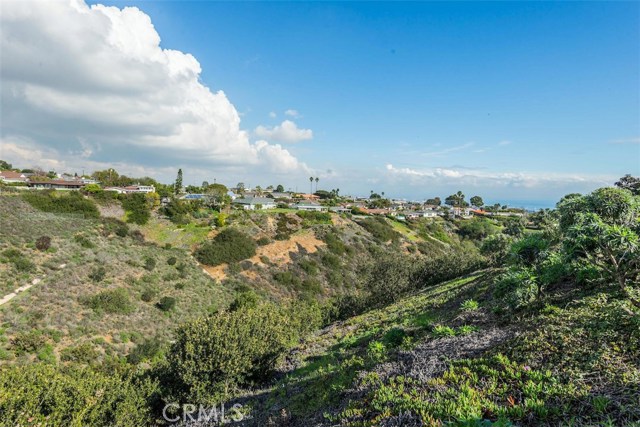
(322, 320)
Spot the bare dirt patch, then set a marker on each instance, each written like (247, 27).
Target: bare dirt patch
(279, 252)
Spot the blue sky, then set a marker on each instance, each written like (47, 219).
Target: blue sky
(511, 100)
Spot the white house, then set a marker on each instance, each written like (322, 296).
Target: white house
(310, 206)
(12, 177)
(254, 203)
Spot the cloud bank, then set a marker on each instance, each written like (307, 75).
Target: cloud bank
(92, 83)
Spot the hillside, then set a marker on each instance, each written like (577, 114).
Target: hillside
(444, 354)
(97, 291)
(317, 319)
(106, 288)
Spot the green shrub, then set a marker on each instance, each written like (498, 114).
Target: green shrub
(245, 300)
(166, 303)
(469, 305)
(552, 269)
(312, 217)
(334, 244)
(264, 240)
(476, 228)
(148, 295)
(113, 301)
(12, 254)
(441, 331)
(172, 260)
(149, 263)
(229, 246)
(82, 353)
(98, 274)
(466, 330)
(287, 278)
(214, 355)
(24, 265)
(83, 241)
(331, 261)
(41, 394)
(380, 229)
(309, 266)
(70, 203)
(516, 288)
(28, 342)
(137, 208)
(376, 351)
(394, 337)
(43, 243)
(149, 350)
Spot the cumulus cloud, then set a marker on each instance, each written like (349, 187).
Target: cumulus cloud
(292, 113)
(287, 131)
(93, 82)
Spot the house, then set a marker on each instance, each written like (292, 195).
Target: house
(340, 209)
(140, 189)
(56, 185)
(11, 177)
(310, 206)
(132, 189)
(458, 211)
(421, 214)
(254, 203)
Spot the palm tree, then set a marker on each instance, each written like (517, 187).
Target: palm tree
(310, 184)
(317, 179)
(383, 194)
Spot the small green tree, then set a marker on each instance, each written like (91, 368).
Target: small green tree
(477, 201)
(177, 188)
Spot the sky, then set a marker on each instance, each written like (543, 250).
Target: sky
(514, 101)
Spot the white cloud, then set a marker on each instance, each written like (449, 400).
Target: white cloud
(272, 114)
(94, 80)
(503, 143)
(523, 182)
(292, 113)
(287, 131)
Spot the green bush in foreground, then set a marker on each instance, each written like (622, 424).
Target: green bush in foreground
(213, 355)
(41, 394)
(229, 246)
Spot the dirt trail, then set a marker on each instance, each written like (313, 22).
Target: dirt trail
(5, 299)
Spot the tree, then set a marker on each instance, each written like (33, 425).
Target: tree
(434, 202)
(477, 201)
(456, 200)
(514, 227)
(205, 184)
(178, 184)
(280, 188)
(630, 183)
(603, 227)
(317, 179)
(240, 187)
(5, 166)
(310, 185)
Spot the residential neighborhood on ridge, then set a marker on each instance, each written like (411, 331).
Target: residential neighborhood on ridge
(257, 198)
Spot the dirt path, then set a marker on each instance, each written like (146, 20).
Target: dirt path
(5, 299)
